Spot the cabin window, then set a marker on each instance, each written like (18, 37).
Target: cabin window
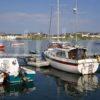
(81, 54)
(77, 54)
(61, 54)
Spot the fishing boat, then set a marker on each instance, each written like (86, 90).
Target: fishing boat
(71, 58)
(14, 73)
(10, 67)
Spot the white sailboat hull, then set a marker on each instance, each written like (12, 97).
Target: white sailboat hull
(86, 66)
(64, 67)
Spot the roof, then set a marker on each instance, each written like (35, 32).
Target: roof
(69, 48)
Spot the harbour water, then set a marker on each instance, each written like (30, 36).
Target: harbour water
(92, 46)
(49, 83)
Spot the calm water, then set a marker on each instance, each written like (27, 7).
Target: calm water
(49, 83)
(52, 84)
(93, 46)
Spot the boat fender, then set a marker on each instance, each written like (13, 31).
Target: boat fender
(5, 75)
(98, 58)
(2, 74)
(14, 62)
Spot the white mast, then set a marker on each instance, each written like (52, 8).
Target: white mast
(50, 36)
(75, 11)
(58, 20)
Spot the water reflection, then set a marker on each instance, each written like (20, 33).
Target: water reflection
(16, 89)
(75, 85)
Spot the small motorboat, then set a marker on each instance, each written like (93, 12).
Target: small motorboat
(17, 44)
(37, 61)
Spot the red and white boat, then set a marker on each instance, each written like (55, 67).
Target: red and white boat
(2, 46)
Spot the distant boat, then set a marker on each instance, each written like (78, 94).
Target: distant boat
(17, 44)
(2, 46)
(2, 51)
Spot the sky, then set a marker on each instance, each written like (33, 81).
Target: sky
(22, 16)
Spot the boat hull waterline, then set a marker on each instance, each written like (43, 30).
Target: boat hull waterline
(85, 66)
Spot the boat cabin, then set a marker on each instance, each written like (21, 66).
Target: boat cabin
(75, 53)
(60, 44)
(55, 45)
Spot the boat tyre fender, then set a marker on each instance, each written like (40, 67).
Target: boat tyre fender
(98, 58)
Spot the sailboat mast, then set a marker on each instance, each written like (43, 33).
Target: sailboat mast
(58, 20)
(75, 11)
(50, 36)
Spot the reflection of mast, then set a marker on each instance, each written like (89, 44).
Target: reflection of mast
(58, 82)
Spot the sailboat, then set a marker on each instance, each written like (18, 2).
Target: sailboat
(71, 58)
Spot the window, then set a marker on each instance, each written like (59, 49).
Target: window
(61, 54)
(77, 54)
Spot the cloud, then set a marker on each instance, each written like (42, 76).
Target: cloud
(21, 16)
(20, 21)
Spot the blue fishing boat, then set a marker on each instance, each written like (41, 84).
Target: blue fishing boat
(10, 67)
(13, 79)
(15, 74)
